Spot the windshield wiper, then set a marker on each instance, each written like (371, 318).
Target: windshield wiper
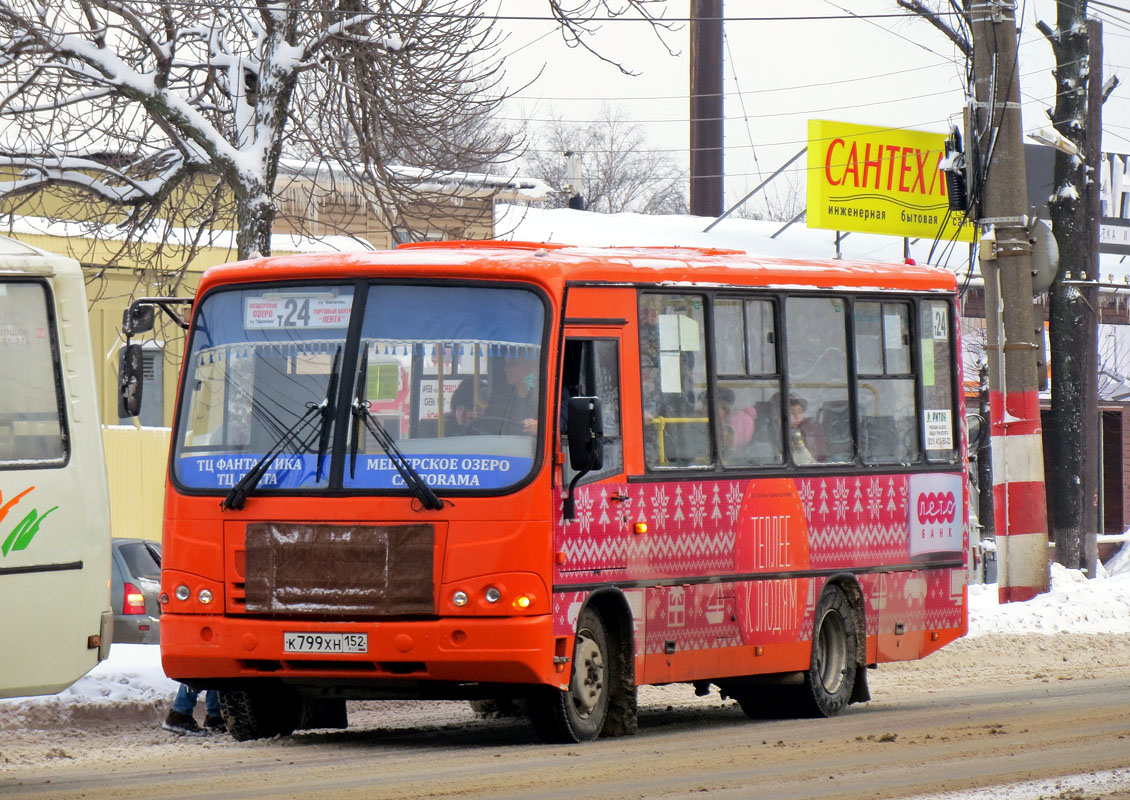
(328, 413)
(237, 497)
(408, 473)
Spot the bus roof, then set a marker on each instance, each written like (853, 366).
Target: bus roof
(552, 265)
(23, 259)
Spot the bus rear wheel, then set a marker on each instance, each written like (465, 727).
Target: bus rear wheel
(577, 715)
(830, 678)
(260, 713)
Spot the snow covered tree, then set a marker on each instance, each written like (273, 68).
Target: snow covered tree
(619, 171)
(160, 115)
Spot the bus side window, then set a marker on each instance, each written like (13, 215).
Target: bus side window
(32, 422)
(818, 380)
(745, 357)
(591, 368)
(886, 407)
(936, 340)
(676, 416)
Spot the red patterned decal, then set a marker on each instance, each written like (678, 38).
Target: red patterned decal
(675, 532)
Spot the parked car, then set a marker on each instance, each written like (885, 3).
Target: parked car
(135, 585)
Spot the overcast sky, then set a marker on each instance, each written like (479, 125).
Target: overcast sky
(780, 73)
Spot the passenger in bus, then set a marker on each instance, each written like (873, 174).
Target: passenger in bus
(805, 437)
(513, 408)
(736, 425)
(465, 409)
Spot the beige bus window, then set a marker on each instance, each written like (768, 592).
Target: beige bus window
(673, 373)
(31, 416)
(885, 402)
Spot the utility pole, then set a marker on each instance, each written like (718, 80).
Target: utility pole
(706, 112)
(1075, 211)
(1020, 506)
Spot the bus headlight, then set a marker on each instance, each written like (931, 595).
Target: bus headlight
(492, 594)
(204, 596)
(459, 598)
(182, 592)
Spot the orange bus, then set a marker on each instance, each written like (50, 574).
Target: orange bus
(509, 470)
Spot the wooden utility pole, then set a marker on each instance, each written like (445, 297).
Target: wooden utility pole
(1020, 506)
(707, 168)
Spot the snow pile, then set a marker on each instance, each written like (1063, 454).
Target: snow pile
(1074, 604)
(131, 682)
(132, 678)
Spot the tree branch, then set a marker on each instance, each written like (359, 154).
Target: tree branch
(935, 19)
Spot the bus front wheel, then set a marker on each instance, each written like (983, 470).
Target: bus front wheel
(260, 713)
(835, 656)
(577, 715)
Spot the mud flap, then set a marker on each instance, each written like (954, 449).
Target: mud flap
(859, 691)
(622, 704)
(320, 712)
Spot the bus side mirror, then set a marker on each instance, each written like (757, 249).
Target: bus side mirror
(584, 426)
(138, 318)
(130, 378)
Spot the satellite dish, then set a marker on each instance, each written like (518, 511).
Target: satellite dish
(1045, 257)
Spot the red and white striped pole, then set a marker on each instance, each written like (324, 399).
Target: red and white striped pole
(1019, 502)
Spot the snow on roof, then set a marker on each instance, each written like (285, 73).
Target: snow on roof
(463, 184)
(757, 237)
(280, 242)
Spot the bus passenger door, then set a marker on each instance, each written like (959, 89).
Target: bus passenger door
(591, 368)
(598, 358)
(594, 542)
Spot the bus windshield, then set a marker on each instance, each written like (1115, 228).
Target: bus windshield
(445, 381)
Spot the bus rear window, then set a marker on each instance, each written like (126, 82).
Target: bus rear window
(31, 415)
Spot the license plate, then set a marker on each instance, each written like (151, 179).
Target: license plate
(298, 642)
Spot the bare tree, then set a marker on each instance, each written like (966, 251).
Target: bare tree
(161, 117)
(780, 201)
(620, 172)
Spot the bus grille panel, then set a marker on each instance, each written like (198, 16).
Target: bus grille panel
(339, 570)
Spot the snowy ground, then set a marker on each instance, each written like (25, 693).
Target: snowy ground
(132, 678)
(1079, 629)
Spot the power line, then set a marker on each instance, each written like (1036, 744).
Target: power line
(911, 15)
(594, 20)
(755, 91)
(776, 115)
(1112, 6)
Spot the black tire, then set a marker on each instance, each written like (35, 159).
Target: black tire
(835, 656)
(260, 713)
(577, 715)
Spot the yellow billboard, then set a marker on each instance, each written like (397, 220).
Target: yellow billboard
(880, 180)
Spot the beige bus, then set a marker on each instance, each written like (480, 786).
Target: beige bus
(55, 617)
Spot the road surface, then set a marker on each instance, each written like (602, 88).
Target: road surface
(980, 714)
